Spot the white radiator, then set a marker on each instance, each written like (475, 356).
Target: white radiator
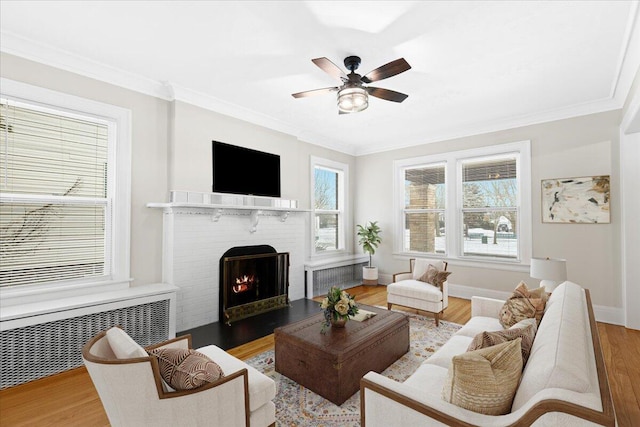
(34, 347)
(344, 272)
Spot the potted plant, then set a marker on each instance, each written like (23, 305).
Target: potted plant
(369, 235)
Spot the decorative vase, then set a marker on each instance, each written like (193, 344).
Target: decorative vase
(338, 323)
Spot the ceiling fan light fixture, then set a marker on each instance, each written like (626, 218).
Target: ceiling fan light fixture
(353, 99)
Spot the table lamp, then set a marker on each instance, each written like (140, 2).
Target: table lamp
(551, 271)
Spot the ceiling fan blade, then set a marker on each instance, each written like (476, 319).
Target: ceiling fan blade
(314, 92)
(330, 68)
(388, 70)
(386, 94)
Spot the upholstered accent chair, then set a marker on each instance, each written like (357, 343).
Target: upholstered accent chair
(408, 291)
(133, 392)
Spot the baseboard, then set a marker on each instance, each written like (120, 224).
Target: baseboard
(606, 314)
(466, 292)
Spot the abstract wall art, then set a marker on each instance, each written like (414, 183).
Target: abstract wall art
(583, 200)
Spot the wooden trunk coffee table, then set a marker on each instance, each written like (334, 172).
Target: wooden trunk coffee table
(332, 364)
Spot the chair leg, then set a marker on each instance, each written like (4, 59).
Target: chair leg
(437, 316)
(388, 306)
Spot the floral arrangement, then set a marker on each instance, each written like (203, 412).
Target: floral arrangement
(338, 305)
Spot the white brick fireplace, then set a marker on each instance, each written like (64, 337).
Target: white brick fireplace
(196, 235)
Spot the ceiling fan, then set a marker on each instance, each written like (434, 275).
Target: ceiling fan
(352, 93)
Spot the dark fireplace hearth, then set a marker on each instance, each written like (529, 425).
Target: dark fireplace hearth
(253, 280)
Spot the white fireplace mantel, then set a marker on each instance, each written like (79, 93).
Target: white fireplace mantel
(217, 205)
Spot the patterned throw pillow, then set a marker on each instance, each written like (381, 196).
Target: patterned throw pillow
(485, 380)
(186, 369)
(523, 304)
(434, 276)
(487, 339)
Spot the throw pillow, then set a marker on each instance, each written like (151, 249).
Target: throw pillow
(123, 346)
(434, 276)
(186, 369)
(488, 339)
(523, 304)
(485, 380)
(420, 266)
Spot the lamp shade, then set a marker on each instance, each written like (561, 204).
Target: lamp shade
(352, 99)
(551, 271)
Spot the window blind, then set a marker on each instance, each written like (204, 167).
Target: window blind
(55, 209)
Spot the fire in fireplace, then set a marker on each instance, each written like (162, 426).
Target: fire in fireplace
(253, 280)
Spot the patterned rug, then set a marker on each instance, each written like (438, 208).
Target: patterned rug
(297, 406)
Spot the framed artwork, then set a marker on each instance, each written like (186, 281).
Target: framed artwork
(583, 200)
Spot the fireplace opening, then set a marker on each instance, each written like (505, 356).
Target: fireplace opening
(253, 280)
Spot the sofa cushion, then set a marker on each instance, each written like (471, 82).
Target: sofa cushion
(123, 346)
(428, 379)
(523, 304)
(415, 289)
(186, 369)
(434, 276)
(562, 355)
(487, 339)
(485, 380)
(456, 345)
(421, 264)
(262, 389)
(478, 324)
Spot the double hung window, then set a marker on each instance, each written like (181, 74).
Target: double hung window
(328, 190)
(59, 210)
(424, 219)
(472, 205)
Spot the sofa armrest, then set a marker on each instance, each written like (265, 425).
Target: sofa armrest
(487, 307)
(402, 276)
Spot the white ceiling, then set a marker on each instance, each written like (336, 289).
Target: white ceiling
(476, 66)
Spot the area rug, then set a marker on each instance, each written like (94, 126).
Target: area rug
(300, 407)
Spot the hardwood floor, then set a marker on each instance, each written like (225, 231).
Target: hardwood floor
(70, 399)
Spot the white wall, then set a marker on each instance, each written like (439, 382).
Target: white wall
(580, 146)
(149, 152)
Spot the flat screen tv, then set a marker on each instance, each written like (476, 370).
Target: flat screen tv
(240, 170)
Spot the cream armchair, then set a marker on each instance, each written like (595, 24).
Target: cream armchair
(406, 290)
(133, 393)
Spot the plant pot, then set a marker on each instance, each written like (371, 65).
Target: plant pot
(338, 323)
(369, 275)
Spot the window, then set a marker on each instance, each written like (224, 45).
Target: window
(328, 191)
(62, 220)
(424, 209)
(471, 206)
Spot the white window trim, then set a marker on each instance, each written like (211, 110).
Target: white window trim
(119, 247)
(453, 213)
(343, 214)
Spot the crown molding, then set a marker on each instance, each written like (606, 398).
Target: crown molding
(211, 103)
(58, 58)
(480, 128)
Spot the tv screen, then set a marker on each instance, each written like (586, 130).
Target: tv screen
(240, 170)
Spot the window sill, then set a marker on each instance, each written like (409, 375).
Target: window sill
(489, 264)
(58, 304)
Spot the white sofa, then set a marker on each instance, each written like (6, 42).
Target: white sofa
(563, 383)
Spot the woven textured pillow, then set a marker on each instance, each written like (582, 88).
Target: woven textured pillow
(434, 276)
(523, 304)
(485, 380)
(186, 369)
(488, 339)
